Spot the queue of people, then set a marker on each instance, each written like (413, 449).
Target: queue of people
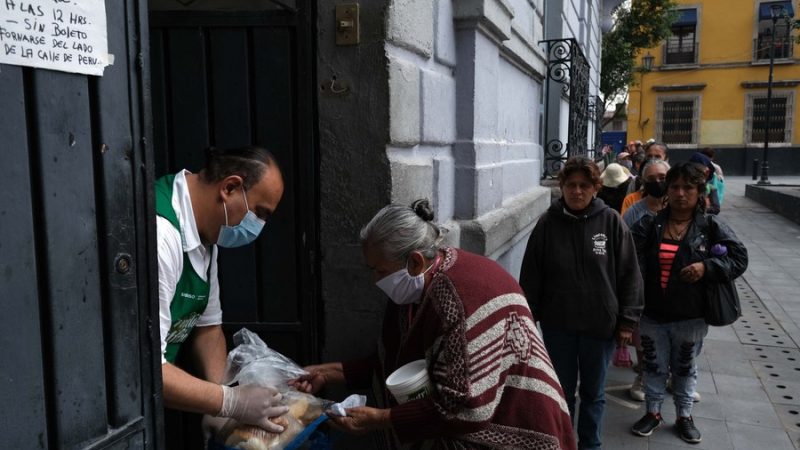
(506, 360)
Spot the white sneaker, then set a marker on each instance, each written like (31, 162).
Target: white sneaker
(696, 397)
(637, 390)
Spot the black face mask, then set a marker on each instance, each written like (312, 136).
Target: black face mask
(655, 189)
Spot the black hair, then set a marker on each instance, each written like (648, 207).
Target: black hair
(248, 162)
(422, 208)
(692, 173)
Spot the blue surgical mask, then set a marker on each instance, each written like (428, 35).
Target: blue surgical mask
(402, 287)
(238, 235)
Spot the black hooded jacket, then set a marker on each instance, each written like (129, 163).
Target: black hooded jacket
(682, 300)
(581, 273)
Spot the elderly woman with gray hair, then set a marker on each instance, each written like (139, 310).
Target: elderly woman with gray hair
(493, 385)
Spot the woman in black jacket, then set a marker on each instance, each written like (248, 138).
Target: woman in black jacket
(582, 281)
(680, 250)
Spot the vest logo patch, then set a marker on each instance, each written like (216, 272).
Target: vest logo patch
(518, 337)
(194, 297)
(180, 330)
(599, 241)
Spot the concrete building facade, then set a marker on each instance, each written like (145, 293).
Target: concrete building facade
(442, 100)
(708, 85)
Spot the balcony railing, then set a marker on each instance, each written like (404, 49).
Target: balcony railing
(784, 47)
(681, 55)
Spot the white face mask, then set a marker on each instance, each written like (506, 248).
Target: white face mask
(402, 287)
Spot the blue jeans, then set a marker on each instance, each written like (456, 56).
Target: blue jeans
(673, 348)
(577, 355)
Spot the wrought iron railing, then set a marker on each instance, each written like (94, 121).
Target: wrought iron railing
(681, 55)
(567, 65)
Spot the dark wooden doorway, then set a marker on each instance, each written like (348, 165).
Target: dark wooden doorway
(81, 369)
(229, 78)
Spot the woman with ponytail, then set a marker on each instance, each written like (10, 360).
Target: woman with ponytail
(492, 384)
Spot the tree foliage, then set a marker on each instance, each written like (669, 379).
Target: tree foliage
(641, 24)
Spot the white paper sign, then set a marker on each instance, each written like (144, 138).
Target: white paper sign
(66, 35)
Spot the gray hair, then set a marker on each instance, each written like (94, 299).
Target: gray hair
(398, 230)
(653, 162)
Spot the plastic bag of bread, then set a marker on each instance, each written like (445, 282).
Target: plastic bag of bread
(304, 411)
(252, 362)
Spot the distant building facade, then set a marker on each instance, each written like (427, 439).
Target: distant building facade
(708, 86)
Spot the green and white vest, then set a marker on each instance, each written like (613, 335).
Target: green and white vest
(191, 292)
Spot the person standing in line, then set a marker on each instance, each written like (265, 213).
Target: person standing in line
(616, 182)
(719, 176)
(654, 150)
(675, 255)
(582, 281)
(713, 205)
(654, 175)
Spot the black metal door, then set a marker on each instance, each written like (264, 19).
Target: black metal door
(79, 370)
(235, 78)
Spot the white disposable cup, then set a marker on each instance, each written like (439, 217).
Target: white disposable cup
(410, 382)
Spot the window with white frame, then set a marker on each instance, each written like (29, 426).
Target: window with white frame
(677, 119)
(681, 45)
(779, 122)
(783, 43)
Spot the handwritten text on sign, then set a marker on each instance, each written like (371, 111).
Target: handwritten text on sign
(66, 35)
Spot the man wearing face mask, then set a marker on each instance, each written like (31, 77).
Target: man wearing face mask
(226, 204)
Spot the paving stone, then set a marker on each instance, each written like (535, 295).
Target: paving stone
(777, 371)
(789, 415)
(781, 355)
(724, 364)
(782, 391)
(726, 334)
(753, 438)
(745, 388)
(749, 412)
(710, 407)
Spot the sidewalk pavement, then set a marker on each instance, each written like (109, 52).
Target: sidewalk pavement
(749, 372)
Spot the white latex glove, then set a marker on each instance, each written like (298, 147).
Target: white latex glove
(211, 426)
(253, 405)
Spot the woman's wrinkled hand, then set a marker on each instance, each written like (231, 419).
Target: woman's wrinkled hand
(311, 383)
(693, 272)
(362, 419)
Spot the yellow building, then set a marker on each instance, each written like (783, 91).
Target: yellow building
(708, 85)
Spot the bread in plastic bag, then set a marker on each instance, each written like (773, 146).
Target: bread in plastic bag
(253, 362)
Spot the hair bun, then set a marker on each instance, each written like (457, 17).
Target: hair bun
(422, 208)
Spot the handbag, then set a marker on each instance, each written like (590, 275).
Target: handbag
(722, 300)
(722, 303)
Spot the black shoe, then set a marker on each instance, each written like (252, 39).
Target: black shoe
(687, 431)
(647, 424)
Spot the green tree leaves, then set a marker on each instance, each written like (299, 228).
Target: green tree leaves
(638, 25)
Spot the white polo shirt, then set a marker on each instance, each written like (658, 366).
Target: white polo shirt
(171, 246)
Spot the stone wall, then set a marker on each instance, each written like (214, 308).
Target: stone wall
(470, 138)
